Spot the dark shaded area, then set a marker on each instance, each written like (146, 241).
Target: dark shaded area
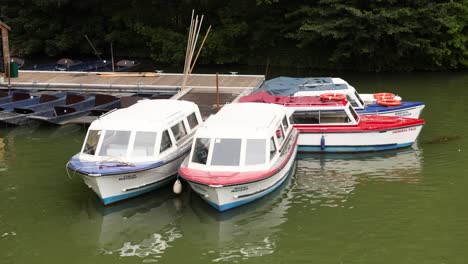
(327, 34)
(443, 139)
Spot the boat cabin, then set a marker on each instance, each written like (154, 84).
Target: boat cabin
(338, 86)
(328, 114)
(241, 137)
(143, 132)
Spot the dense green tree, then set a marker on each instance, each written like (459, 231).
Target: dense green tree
(323, 34)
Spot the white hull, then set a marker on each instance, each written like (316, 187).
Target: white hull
(113, 188)
(227, 197)
(356, 142)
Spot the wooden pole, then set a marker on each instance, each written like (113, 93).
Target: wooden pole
(6, 54)
(199, 50)
(188, 42)
(217, 92)
(112, 57)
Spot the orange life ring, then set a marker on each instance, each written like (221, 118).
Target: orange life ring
(384, 96)
(332, 97)
(388, 102)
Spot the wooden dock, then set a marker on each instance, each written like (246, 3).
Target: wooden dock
(130, 82)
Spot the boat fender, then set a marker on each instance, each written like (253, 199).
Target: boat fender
(177, 188)
(322, 142)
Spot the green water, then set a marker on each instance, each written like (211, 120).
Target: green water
(407, 206)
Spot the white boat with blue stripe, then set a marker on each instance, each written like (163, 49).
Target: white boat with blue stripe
(137, 149)
(241, 154)
(366, 104)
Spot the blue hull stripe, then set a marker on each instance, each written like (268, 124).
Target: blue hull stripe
(116, 198)
(375, 108)
(228, 206)
(304, 148)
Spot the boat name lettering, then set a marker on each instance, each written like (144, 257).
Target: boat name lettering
(240, 189)
(404, 130)
(403, 113)
(128, 177)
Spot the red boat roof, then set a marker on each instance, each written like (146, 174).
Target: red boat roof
(265, 97)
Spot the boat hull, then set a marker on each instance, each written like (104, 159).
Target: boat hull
(316, 141)
(121, 186)
(224, 198)
(407, 109)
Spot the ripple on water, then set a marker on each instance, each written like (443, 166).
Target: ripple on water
(328, 179)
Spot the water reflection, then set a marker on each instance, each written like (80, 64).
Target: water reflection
(242, 233)
(328, 179)
(143, 227)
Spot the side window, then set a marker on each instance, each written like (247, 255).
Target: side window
(92, 142)
(192, 120)
(306, 117)
(285, 123)
(280, 135)
(200, 151)
(179, 131)
(165, 141)
(335, 116)
(272, 148)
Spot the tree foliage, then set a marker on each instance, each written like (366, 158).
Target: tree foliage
(377, 35)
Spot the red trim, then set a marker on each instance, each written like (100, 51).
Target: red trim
(367, 123)
(232, 178)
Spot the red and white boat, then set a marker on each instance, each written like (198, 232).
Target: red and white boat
(241, 154)
(334, 126)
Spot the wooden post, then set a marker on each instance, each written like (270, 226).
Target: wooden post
(217, 92)
(6, 51)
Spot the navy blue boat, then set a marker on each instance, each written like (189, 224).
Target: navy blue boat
(60, 115)
(33, 100)
(18, 116)
(7, 97)
(72, 65)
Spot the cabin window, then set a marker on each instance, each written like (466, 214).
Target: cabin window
(306, 117)
(165, 141)
(200, 152)
(179, 131)
(226, 152)
(280, 134)
(285, 123)
(144, 144)
(115, 143)
(334, 116)
(92, 142)
(192, 120)
(359, 98)
(272, 148)
(255, 152)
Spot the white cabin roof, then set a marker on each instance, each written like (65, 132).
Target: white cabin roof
(243, 120)
(146, 115)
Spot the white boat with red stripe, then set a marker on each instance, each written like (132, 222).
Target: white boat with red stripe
(334, 126)
(241, 154)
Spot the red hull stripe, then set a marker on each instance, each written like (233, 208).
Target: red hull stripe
(233, 178)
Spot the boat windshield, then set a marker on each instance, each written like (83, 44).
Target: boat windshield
(92, 142)
(255, 152)
(115, 143)
(359, 98)
(226, 152)
(144, 144)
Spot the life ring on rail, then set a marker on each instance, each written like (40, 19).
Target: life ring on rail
(388, 102)
(332, 97)
(384, 96)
